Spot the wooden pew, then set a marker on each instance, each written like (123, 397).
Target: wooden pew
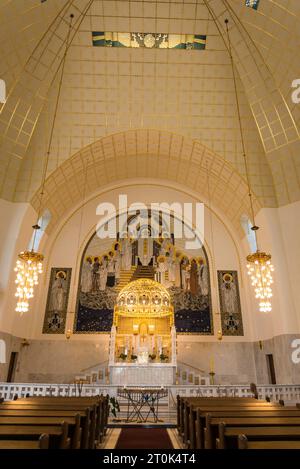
(41, 443)
(89, 429)
(73, 425)
(212, 425)
(243, 443)
(182, 401)
(58, 434)
(198, 419)
(62, 414)
(228, 436)
(101, 403)
(185, 404)
(99, 409)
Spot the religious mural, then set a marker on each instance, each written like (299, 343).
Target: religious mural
(231, 316)
(108, 265)
(57, 301)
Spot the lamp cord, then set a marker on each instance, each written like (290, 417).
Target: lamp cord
(254, 227)
(36, 227)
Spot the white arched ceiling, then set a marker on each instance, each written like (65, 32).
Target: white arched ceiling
(151, 154)
(109, 90)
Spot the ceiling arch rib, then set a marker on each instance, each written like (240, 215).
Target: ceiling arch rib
(201, 109)
(275, 122)
(146, 154)
(26, 99)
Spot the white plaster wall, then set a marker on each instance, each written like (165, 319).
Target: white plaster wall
(64, 248)
(283, 318)
(279, 234)
(289, 217)
(14, 237)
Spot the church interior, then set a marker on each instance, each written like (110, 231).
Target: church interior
(149, 203)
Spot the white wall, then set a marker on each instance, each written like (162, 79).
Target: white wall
(64, 248)
(279, 235)
(13, 235)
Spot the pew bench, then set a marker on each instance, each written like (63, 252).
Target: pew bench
(243, 443)
(58, 434)
(190, 414)
(198, 419)
(89, 429)
(41, 443)
(74, 429)
(212, 425)
(228, 436)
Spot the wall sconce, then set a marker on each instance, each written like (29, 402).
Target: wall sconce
(151, 329)
(135, 329)
(25, 343)
(68, 334)
(219, 335)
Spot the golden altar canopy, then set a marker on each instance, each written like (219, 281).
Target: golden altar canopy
(144, 298)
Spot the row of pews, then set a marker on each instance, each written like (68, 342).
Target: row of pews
(53, 422)
(237, 423)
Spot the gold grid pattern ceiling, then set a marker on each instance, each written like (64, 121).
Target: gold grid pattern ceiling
(190, 93)
(140, 154)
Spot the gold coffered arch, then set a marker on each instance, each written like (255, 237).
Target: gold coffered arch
(151, 154)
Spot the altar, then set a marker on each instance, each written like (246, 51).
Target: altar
(131, 374)
(143, 336)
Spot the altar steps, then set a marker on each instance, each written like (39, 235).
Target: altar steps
(125, 278)
(143, 271)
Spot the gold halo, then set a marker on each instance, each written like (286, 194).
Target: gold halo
(200, 259)
(161, 259)
(229, 278)
(61, 272)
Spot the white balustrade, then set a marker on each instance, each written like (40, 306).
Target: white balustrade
(287, 392)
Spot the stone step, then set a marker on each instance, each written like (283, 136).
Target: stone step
(125, 278)
(143, 272)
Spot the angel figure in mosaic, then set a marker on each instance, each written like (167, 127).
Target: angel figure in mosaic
(58, 292)
(229, 293)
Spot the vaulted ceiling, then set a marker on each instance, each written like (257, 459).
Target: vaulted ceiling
(189, 93)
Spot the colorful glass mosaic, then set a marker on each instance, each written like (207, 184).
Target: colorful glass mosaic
(252, 4)
(149, 40)
(230, 305)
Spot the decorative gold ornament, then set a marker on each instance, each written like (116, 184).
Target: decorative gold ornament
(68, 334)
(28, 267)
(219, 335)
(29, 263)
(260, 270)
(161, 259)
(144, 297)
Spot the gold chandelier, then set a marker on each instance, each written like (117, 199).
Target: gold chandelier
(29, 263)
(260, 271)
(259, 263)
(28, 267)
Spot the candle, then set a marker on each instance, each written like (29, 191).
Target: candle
(212, 364)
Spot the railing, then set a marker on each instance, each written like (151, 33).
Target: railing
(286, 392)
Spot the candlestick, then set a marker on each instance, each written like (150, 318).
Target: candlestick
(212, 364)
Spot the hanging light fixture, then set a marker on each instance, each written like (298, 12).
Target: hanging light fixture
(30, 263)
(259, 263)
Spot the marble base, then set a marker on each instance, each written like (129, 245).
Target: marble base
(132, 374)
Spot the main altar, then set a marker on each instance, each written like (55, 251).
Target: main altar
(143, 336)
